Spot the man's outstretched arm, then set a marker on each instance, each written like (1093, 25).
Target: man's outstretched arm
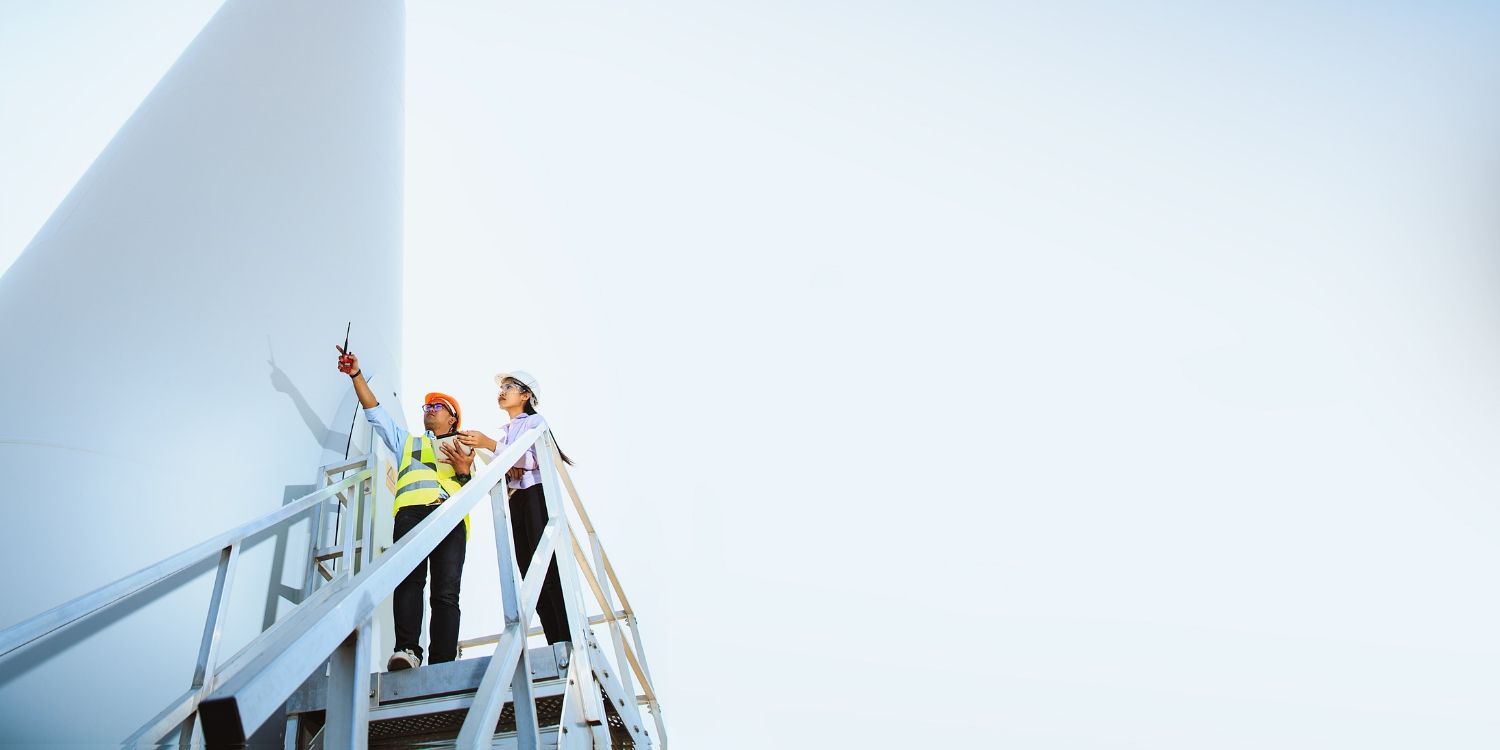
(349, 364)
(390, 433)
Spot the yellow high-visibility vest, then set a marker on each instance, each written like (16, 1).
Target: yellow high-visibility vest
(420, 476)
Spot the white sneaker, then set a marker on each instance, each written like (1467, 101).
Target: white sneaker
(403, 659)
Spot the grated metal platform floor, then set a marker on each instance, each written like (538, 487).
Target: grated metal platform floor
(426, 707)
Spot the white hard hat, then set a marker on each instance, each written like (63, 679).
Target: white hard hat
(520, 376)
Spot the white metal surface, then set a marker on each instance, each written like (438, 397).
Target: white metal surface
(178, 306)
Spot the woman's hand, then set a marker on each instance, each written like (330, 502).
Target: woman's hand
(462, 462)
(516, 473)
(476, 439)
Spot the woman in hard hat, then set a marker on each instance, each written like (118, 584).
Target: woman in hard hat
(528, 506)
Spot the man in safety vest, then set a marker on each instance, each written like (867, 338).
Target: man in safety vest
(423, 481)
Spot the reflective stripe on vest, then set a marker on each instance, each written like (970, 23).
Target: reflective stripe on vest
(420, 477)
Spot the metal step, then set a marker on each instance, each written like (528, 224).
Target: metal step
(425, 707)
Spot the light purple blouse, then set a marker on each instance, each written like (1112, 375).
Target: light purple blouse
(531, 471)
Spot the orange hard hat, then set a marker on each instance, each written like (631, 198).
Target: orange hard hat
(448, 401)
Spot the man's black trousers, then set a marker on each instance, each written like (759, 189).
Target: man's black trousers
(528, 519)
(447, 566)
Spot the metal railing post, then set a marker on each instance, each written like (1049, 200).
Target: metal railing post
(315, 540)
(349, 692)
(489, 699)
(480, 732)
(213, 627)
(370, 495)
(350, 529)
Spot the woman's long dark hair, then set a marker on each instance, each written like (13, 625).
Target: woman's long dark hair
(531, 409)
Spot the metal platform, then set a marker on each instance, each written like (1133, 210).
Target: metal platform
(426, 707)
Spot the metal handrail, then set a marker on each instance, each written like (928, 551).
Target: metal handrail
(96, 601)
(180, 716)
(486, 640)
(183, 709)
(244, 701)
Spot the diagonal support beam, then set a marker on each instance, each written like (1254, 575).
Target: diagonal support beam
(591, 703)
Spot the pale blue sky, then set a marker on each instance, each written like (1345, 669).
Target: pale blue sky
(1054, 376)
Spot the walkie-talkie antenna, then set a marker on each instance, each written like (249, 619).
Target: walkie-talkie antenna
(353, 419)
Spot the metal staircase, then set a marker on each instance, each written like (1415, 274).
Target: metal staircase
(311, 668)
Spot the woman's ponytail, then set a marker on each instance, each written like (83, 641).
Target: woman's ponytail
(530, 408)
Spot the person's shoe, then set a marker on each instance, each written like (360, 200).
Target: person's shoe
(403, 659)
